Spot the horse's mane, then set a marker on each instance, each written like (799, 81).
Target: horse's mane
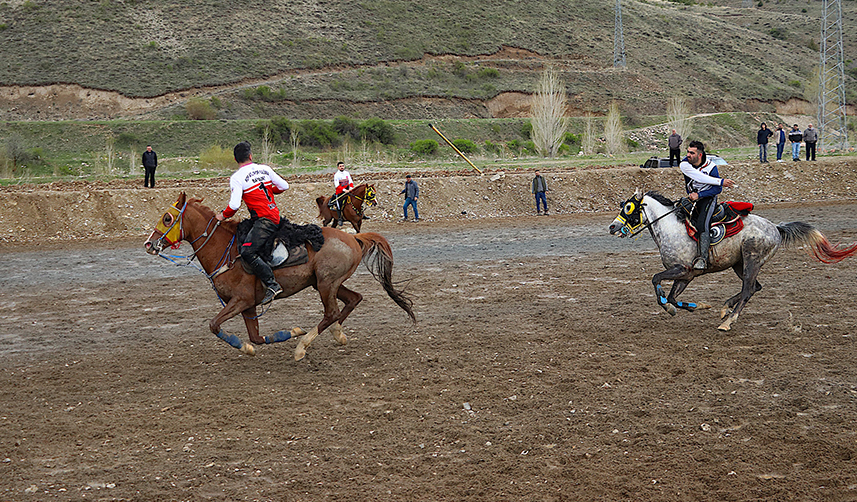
(666, 202)
(660, 198)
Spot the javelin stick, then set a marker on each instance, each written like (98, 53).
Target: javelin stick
(454, 148)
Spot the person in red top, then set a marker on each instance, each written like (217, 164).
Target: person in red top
(256, 185)
(343, 184)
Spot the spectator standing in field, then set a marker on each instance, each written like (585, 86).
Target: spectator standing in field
(810, 137)
(540, 186)
(675, 147)
(412, 193)
(795, 136)
(781, 142)
(762, 139)
(150, 163)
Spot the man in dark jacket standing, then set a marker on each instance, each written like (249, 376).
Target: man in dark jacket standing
(795, 136)
(810, 137)
(675, 147)
(150, 163)
(762, 139)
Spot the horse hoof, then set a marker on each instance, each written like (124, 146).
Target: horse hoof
(725, 311)
(300, 353)
(724, 327)
(670, 308)
(297, 332)
(703, 306)
(248, 349)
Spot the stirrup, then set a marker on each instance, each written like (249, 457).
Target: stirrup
(270, 293)
(700, 264)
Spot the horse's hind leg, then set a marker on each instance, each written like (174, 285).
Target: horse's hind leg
(752, 267)
(351, 300)
(728, 304)
(331, 314)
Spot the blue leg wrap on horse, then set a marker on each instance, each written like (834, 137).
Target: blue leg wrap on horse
(230, 339)
(661, 298)
(688, 305)
(279, 336)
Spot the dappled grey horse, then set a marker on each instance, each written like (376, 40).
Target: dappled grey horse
(745, 252)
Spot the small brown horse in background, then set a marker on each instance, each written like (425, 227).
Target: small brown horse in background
(352, 206)
(214, 245)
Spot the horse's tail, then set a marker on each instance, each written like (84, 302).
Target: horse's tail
(797, 232)
(320, 202)
(378, 258)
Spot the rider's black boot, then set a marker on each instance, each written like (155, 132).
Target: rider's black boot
(266, 275)
(701, 262)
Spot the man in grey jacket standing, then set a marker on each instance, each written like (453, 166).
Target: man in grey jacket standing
(412, 193)
(810, 137)
(540, 186)
(675, 147)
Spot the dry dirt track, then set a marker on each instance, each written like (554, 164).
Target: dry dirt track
(540, 369)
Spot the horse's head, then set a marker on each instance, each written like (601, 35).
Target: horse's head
(168, 231)
(370, 195)
(630, 217)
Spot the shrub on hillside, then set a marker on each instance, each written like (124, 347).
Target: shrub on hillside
(377, 130)
(216, 157)
(424, 147)
(318, 133)
(464, 145)
(347, 126)
(199, 109)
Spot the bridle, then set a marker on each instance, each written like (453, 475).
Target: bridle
(636, 229)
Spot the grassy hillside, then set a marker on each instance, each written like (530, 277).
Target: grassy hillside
(316, 54)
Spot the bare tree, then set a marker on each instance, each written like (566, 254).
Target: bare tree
(295, 141)
(548, 110)
(678, 116)
(587, 143)
(614, 133)
(266, 146)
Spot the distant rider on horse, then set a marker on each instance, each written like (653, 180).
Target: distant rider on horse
(702, 183)
(256, 185)
(344, 184)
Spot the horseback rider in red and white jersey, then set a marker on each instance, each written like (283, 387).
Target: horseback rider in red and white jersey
(343, 184)
(256, 185)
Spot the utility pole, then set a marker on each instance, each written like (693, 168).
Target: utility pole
(618, 39)
(832, 127)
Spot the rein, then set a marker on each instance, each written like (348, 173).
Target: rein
(218, 268)
(649, 224)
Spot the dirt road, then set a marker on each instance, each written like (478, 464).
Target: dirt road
(540, 369)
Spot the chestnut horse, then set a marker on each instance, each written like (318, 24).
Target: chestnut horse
(352, 206)
(326, 270)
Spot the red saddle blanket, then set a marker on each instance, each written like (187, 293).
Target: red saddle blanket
(731, 220)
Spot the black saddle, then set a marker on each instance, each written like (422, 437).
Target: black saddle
(724, 213)
(288, 247)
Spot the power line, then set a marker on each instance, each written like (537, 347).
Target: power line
(618, 39)
(832, 127)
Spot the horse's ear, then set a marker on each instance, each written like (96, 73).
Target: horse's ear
(182, 199)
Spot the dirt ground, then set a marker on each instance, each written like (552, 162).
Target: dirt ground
(540, 368)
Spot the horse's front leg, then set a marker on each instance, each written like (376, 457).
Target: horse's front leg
(232, 309)
(678, 286)
(677, 272)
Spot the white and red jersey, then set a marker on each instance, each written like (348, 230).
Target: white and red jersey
(256, 185)
(342, 181)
